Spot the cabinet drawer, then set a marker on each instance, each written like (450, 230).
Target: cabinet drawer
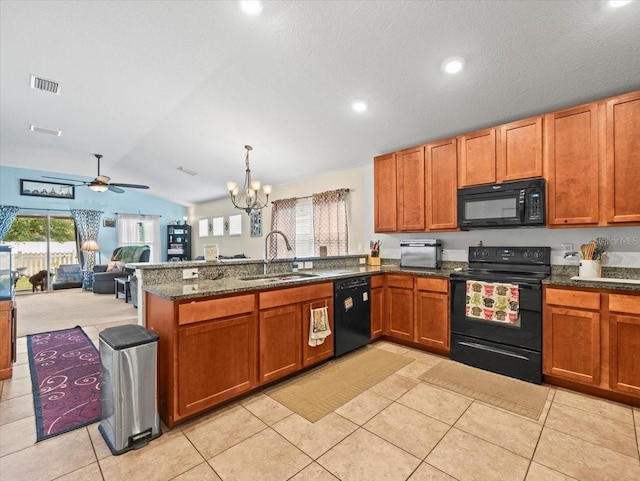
(624, 303)
(435, 285)
(294, 295)
(377, 281)
(216, 308)
(401, 281)
(570, 298)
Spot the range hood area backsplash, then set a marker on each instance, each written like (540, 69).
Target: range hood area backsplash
(624, 250)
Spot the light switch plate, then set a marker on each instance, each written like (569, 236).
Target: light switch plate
(363, 260)
(308, 265)
(189, 274)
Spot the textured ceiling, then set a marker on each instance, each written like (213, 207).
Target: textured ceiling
(155, 85)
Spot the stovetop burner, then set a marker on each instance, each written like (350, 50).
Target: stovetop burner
(508, 264)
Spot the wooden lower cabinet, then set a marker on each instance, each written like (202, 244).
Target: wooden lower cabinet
(432, 313)
(417, 310)
(399, 307)
(591, 337)
(624, 341)
(206, 353)
(314, 354)
(280, 342)
(214, 349)
(8, 313)
(572, 344)
(377, 306)
(216, 361)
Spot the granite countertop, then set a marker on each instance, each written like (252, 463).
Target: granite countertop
(194, 289)
(566, 281)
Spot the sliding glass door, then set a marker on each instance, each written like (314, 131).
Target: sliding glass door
(41, 243)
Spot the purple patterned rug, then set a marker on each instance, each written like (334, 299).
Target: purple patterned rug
(65, 376)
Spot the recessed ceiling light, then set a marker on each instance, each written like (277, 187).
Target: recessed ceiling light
(618, 3)
(359, 106)
(252, 7)
(453, 65)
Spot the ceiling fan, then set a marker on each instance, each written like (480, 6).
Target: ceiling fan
(101, 182)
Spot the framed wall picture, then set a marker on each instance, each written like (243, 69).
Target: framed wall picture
(38, 188)
(108, 222)
(255, 219)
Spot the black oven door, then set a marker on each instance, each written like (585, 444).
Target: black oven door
(526, 332)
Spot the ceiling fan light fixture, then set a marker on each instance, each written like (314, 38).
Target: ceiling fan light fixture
(99, 187)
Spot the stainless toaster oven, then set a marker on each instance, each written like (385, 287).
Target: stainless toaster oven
(423, 253)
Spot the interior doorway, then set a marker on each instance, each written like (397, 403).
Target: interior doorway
(41, 242)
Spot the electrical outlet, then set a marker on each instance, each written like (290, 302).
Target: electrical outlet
(363, 260)
(566, 248)
(189, 274)
(308, 265)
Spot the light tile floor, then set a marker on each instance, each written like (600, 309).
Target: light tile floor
(401, 429)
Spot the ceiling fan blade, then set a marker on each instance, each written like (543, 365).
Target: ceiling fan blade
(79, 182)
(130, 186)
(115, 189)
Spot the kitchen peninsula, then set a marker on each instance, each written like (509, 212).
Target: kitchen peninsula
(232, 330)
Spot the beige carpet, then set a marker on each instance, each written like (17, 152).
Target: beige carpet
(321, 391)
(51, 311)
(514, 395)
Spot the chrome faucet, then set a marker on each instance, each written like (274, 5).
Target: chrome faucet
(266, 254)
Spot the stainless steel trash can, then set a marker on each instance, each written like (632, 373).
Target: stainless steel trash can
(129, 418)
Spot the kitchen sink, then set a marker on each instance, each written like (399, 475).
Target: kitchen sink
(279, 277)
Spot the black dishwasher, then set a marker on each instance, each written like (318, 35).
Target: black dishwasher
(352, 314)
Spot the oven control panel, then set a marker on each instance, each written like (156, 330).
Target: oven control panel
(509, 255)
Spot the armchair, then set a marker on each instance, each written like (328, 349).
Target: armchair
(104, 274)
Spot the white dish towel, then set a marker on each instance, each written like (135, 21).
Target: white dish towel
(319, 327)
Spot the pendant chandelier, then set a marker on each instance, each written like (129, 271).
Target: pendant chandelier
(249, 199)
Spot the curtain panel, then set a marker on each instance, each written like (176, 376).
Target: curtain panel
(330, 222)
(87, 226)
(7, 216)
(283, 218)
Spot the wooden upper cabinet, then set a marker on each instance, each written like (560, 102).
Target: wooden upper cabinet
(520, 150)
(384, 193)
(572, 156)
(622, 156)
(410, 189)
(478, 158)
(441, 184)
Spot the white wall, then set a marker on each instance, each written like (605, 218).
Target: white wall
(624, 251)
(352, 179)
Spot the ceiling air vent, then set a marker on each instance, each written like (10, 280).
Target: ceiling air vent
(187, 171)
(45, 85)
(44, 130)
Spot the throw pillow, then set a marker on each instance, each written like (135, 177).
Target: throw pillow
(115, 266)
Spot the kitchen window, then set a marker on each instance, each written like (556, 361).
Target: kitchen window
(309, 223)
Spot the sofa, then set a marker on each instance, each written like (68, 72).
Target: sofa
(67, 276)
(104, 274)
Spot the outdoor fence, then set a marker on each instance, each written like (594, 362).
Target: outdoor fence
(37, 261)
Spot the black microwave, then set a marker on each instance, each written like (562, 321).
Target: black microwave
(510, 204)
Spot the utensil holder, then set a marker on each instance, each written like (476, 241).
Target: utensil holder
(374, 258)
(592, 268)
